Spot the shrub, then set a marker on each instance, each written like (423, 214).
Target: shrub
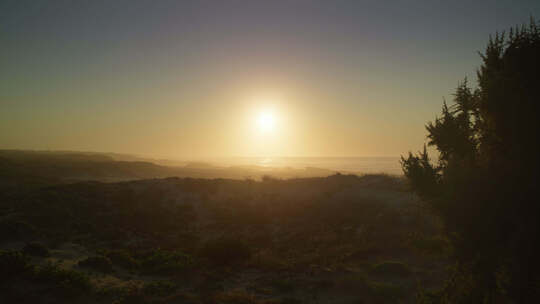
(13, 263)
(267, 261)
(388, 292)
(391, 268)
(98, 263)
(122, 258)
(351, 282)
(165, 262)
(289, 300)
(226, 251)
(283, 285)
(135, 296)
(183, 297)
(159, 288)
(434, 245)
(36, 249)
(14, 230)
(67, 283)
(237, 296)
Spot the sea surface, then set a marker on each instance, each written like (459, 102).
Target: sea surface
(359, 165)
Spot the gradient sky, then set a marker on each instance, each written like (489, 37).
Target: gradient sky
(185, 79)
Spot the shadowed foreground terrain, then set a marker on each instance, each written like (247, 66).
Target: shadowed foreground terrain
(336, 239)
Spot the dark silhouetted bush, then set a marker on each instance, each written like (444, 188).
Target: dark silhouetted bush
(36, 249)
(391, 268)
(159, 288)
(65, 283)
(12, 264)
(431, 245)
(165, 262)
(122, 259)
(226, 251)
(283, 285)
(386, 292)
(98, 263)
(16, 230)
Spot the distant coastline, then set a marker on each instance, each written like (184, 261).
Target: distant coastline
(359, 165)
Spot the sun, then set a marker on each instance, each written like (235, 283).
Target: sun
(266, 121)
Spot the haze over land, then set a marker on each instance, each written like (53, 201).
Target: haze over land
(49, 167)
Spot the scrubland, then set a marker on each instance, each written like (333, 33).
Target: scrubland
(335, 239)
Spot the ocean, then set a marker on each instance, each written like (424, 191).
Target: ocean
(359, 165)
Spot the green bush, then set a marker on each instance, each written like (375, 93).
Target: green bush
(134, 296)
(122, 259)
(159, 288)
(283, 285)
(388, 292)
(289, 300)
(36, 249)
(391, 268)
(236, 296)
(16, 230)
(98, 263)
(165, 262)
(183, 297)
(59, 282)
(226, 251)
(13, 263)
(433, 245)
(66, 283)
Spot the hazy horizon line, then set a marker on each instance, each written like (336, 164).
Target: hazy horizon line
(184, 158)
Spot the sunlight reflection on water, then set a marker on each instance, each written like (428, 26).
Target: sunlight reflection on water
(389, 165)
(265, 162)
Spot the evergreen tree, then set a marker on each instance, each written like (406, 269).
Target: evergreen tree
(484, 185)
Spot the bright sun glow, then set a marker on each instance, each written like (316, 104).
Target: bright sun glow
(266, 121)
